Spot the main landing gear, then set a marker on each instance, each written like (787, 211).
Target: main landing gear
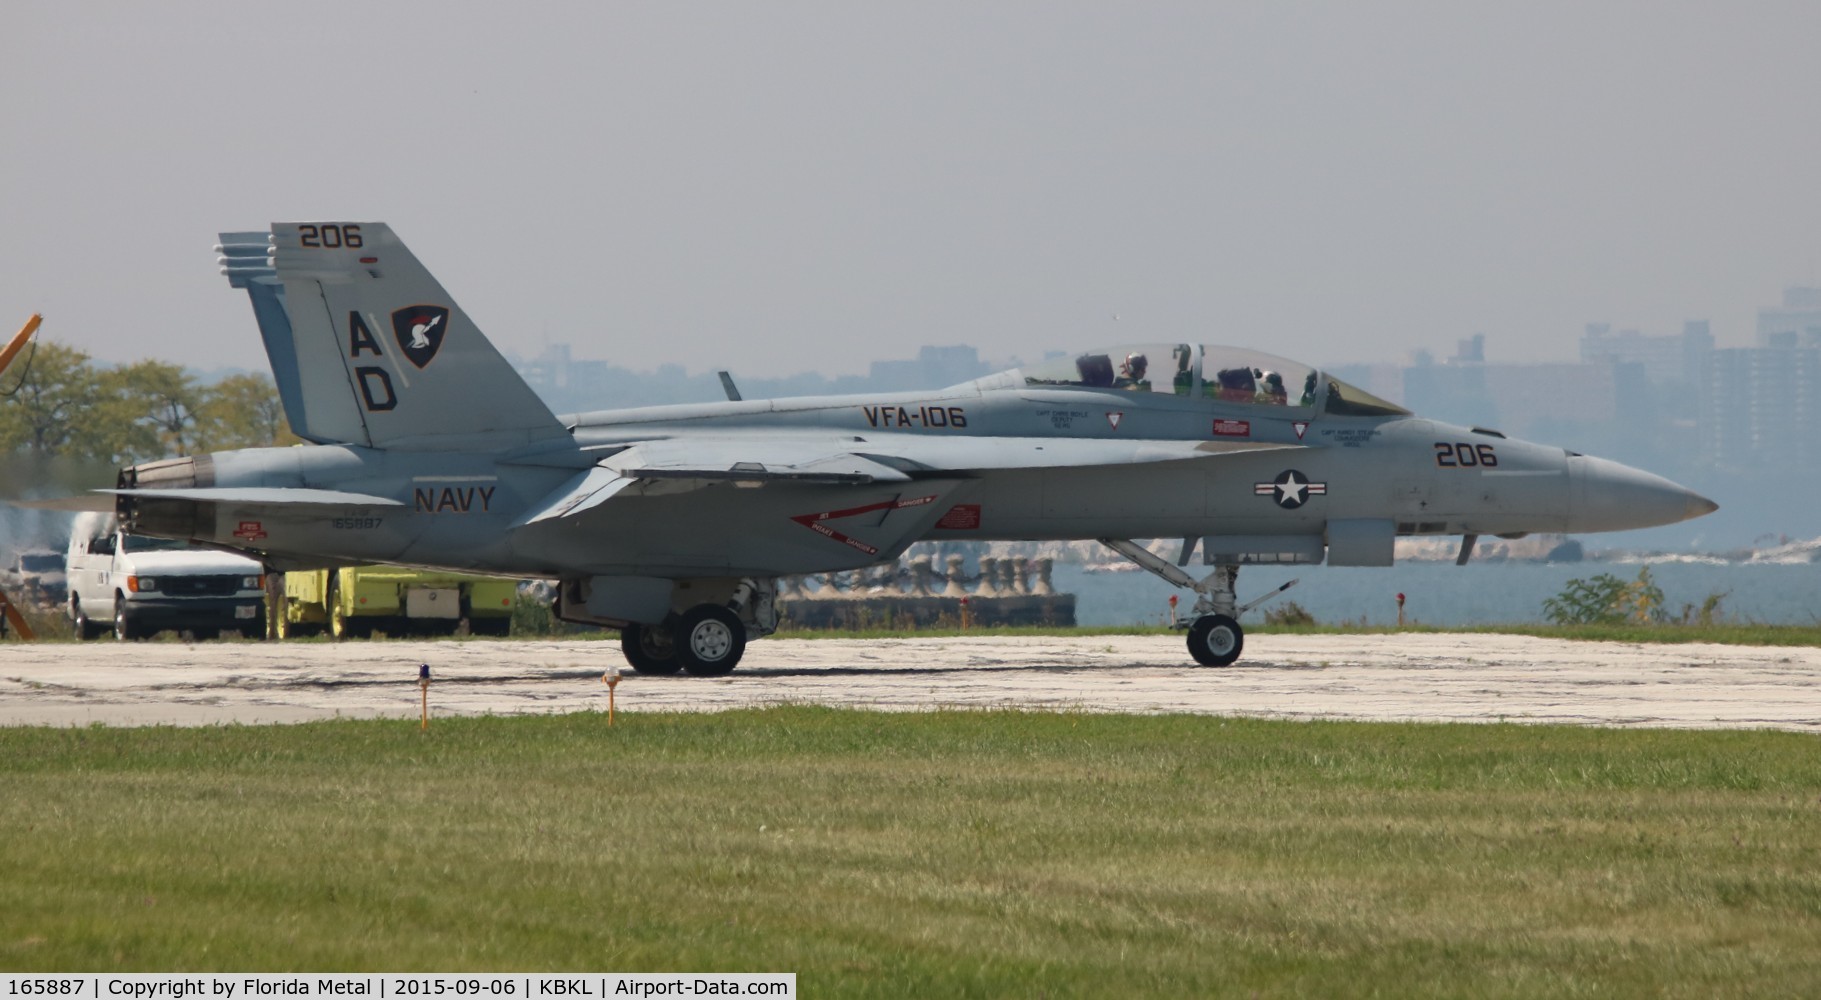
(1215, 637)
(704, 639)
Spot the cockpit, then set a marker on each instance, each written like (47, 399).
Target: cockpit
(1224, 374)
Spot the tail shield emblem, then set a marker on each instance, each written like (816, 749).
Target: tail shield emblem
(420, 330)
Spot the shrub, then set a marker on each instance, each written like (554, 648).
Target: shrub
(1289, 613)
(1607, 600)
(1707, 613)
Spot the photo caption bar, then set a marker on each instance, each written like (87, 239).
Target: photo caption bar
(390, 985)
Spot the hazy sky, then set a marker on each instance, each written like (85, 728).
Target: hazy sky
(775, 187)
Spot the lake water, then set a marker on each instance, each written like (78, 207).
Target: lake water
(1445, 594)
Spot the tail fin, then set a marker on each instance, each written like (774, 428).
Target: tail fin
(243, 258)
(367, 348)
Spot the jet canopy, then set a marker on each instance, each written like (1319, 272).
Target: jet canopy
(1224, 374)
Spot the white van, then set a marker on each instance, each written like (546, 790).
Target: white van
(141, 586)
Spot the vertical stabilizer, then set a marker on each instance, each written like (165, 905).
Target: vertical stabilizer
(368, 348)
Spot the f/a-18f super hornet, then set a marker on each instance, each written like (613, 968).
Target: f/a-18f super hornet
(673, 523)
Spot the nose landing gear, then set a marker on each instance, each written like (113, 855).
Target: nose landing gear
(1215, 636)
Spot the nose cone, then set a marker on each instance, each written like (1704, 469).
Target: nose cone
(1613, 497)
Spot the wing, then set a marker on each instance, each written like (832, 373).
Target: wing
(872, 494)
(692, 462)
(945, 455)
(755, 459)
(761, 455)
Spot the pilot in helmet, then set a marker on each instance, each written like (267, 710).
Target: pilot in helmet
(1271, 389)
(1131, 372)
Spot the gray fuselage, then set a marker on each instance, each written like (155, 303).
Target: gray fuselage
(994, 459)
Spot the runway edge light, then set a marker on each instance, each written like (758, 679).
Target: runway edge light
(423, 683)
(612, 679)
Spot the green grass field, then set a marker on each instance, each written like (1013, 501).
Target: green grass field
(929, 854)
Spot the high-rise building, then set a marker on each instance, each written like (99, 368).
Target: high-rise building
(1760, 407)
(1796, 324)
(1672, 360)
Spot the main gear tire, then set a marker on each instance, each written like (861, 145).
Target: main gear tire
(710, 641)
(648, 649)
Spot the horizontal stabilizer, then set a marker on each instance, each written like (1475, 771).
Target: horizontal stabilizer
(263, 495)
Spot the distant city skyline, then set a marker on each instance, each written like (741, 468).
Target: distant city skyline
(1794, 320)
(809, 186)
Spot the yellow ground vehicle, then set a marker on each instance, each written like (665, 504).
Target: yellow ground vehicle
(356, 601)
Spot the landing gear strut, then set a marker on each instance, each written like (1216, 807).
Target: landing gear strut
(1215, 637)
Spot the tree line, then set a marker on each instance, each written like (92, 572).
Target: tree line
(57, 402)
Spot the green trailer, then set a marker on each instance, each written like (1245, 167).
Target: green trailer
(356, 601)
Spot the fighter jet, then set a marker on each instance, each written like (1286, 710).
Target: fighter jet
(672, 524)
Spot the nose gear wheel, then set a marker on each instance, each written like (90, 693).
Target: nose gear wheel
(1215, 640)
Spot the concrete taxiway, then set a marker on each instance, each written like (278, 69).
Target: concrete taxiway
(1452, 678)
